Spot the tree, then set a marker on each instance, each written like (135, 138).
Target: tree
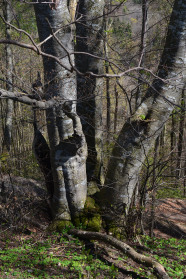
(9, 67)
(89, 48)
(140, 131)
(68, 149)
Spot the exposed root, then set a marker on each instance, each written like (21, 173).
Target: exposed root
(125, 248)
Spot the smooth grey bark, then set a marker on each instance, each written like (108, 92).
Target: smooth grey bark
(67, 147)
(106, 51)
(9, 77)
(140, 131)
(71, 157)
(108, 122)
(89, 39)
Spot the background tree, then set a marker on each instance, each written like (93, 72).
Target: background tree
(89, 50)
(140, 131)
(9, 78)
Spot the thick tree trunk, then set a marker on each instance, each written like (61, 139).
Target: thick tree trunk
(67, 146)
(72, 158)
(140, 131)
(89, 39)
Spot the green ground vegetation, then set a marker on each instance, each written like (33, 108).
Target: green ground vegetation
(56, 256)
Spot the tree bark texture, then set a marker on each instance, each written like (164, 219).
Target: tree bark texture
(173, 141)
(42, 154)
(67, 147)
(140, 131)
(9, 70)
(154, 188)
(142, 51)
(89, 39)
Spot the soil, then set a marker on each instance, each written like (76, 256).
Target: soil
(24, 213)
(24, 203)
(170, 218)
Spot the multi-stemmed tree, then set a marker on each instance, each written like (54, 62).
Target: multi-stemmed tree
(72, 52)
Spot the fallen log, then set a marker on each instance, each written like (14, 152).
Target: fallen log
(125, 248)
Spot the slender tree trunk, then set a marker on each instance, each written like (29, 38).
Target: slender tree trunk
(89, 39)
(142, 52)
(9, 78)
(162, 141)
(67, 144)
(172, 138)
(138, 135)
(116, 108)
(106, 51)
(184, 180)
(180, 137)
(154, 188)
(108, 124)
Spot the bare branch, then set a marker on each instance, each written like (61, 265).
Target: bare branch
(23, 98)
(12, 84)
(16, 43)
(35, 49)
(20, 31)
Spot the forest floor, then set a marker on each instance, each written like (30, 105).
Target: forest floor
(28, 250)
(170, 218)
